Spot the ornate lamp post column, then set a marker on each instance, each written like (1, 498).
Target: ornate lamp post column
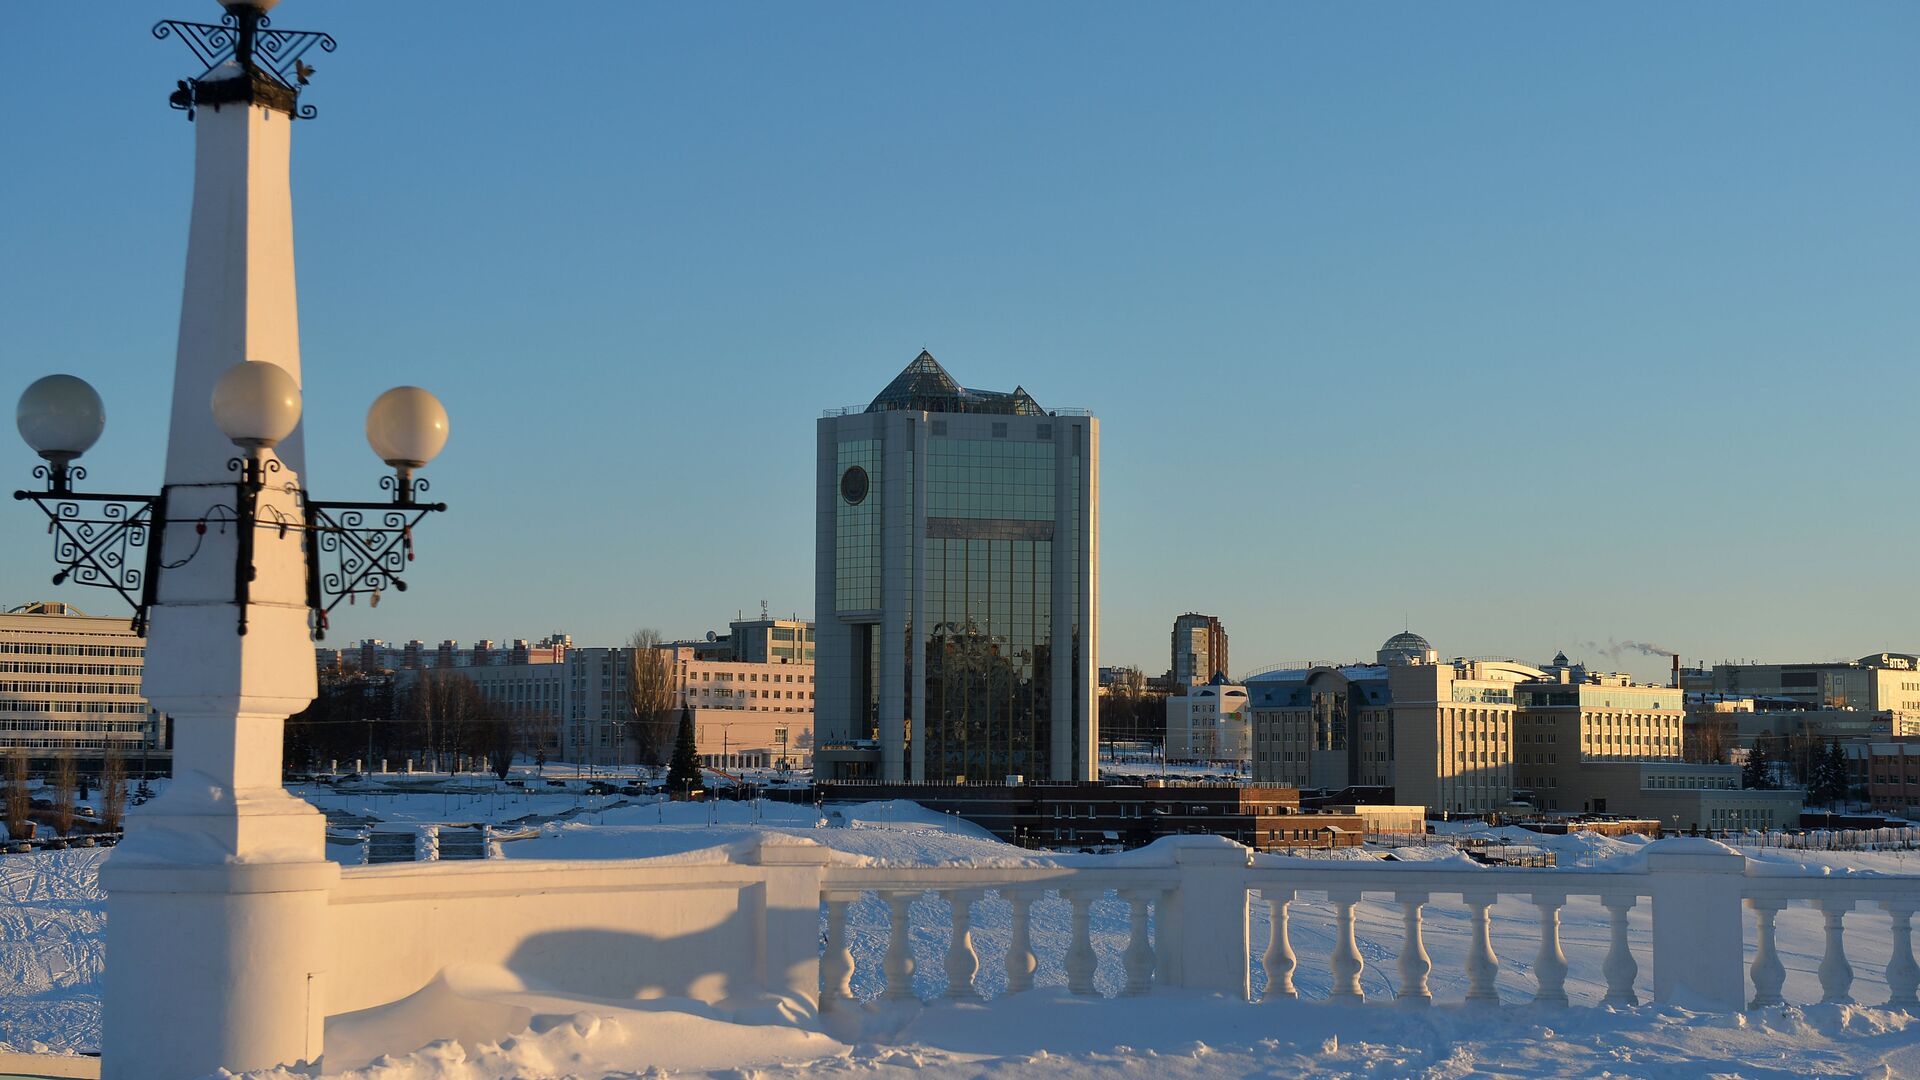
(217, 927)
(217, 899)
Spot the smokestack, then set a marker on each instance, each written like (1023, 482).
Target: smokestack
(1676, 671)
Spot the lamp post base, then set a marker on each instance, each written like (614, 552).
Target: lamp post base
(241, 947)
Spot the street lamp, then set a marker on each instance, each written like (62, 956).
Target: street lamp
(351, 548)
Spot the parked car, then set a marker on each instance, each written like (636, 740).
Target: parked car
(600, 787)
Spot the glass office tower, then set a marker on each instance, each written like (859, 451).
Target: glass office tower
(957, 585)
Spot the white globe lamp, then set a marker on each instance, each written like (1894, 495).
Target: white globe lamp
(407, 427)
(256, 404)
(61, 417)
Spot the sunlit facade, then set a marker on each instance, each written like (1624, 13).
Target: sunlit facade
(957, 567)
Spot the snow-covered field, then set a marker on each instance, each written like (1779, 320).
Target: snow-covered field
(51, 957)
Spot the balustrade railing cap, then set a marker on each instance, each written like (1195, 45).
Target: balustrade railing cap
(1205, 850)
(1694, 853)
(782, 849)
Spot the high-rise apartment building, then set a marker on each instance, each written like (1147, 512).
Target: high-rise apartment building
(1199, 650)
(957, 560)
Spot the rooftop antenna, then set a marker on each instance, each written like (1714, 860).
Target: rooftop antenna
(763, 611)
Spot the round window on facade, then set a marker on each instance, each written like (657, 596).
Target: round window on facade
(853, 485)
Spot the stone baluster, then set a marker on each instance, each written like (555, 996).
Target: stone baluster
(1415, 965)
(1346, 963)
(898, 962)
(836, 967)
(1768, 973)
(1081, 960)
(1020, 958)
(1550, 963)
(1167, 927)
(962, 962)
(1139, 959)
(1279, 959)
(1836, 975)
(1903, 976)
(1483, 967)
(1620, 968)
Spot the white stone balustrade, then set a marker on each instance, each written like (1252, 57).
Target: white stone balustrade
(782, 920)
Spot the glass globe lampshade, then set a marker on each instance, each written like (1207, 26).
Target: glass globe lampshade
(407, 427)
(256, 404)
(61, 417)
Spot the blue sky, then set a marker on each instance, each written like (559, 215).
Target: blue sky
(1530, 325)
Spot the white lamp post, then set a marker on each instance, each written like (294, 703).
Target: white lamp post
(219, 893)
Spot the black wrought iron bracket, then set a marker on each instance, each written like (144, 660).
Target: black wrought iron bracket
(117, 545)
(102, 539)
(272, 69)
(363, 557)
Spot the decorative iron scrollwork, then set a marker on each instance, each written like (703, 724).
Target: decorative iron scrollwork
(111, 541)
(102, 540)
(271, 61)
(358, 549)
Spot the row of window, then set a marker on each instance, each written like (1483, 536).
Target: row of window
(34, 686)
(57, 707)
(41, 667)
(34, 648)
(73, 725)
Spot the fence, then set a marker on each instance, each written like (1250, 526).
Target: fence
(773, 921)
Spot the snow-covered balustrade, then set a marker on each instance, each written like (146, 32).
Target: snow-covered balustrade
(960, 888)
(1833, 897)
(1189, 900)
(784, 920)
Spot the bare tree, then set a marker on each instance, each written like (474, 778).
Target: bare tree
(19, 803)
(1708, 739)
(444, 709)
(650, 694)
(66, 780)
(113, 791)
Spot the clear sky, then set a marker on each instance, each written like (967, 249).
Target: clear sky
(1526, 324)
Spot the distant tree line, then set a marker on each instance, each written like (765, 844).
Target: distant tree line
(441, 723)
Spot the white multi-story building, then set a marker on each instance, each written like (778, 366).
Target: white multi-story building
(1210, 723)
(70, 683)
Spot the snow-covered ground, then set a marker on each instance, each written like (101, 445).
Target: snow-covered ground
(52, 917)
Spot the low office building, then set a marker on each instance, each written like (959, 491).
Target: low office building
(1679, 794)
(1891, 776)
(746, 714)
(70, 685)
(1570, 717)
(1385, 820)
(1322, 727)
(1077, 815)
(1886, 683)
(1453, 728)
(1210, 722)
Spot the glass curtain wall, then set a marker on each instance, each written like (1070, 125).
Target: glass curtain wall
(988, 577)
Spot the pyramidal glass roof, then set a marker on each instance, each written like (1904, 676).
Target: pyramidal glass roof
(925, 386)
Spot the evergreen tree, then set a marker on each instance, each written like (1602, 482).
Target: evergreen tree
(1834, 783)
(1757, 773)
(683, 774)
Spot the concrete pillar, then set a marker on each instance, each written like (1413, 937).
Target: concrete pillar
(1209, 915)
(217, 915)
(789, 941)
(1697, 933)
